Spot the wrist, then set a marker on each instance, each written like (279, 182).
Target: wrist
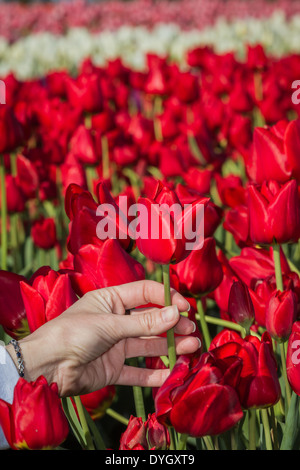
(34, 360)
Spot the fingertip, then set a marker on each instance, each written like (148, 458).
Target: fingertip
(178, 299)
(170, 314)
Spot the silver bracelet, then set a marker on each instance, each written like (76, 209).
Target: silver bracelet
(21, 367)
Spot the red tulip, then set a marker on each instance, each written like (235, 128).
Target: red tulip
(12, 311)
(84, 92)
(148, 435)
(221, 293)
(11, 133)
(281, 313)
(212, 213)
(27, 176)
(237, 222)
(260, 294)
(198, 179)
(274, 213)
(98, 265)
(268, 160)
(91, 222)
(97, 402)
(253, 264)
(256, 57)
(134, 438)
(157, 434)
(240, 306)
(293, 358)
(43, 233)
(275, 154)
(82, 146)
(49, 295)
(35, 420)
(15, 198)
(164, 236)
(231, 190)
(258, 385)
(225, 336)
(200, 273)
(202, 390)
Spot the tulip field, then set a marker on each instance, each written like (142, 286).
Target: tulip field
(193, 105)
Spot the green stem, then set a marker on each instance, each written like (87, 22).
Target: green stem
(105, 157)
(233, 439)
(252, 428)
(182, 442)
(90, 176)
(14, 222)
(277, 264)
(170, 341)
(83, 422)
(115, 415)
(168, 302)
(138, 394)
(279, 285)
(203, 324)
(172, 435)
(3, 215)
(208, 442)
(157, 109)
(266, 425)
(224, 323)
(274, 428)
(284, 373)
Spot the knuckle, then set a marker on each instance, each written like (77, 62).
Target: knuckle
(148, 320)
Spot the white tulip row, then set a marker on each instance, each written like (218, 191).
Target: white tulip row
(37, 54)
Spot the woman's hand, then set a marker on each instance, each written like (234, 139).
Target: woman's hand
(85, 348)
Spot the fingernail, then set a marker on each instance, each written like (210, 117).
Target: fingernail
(189, 307)
(200, 344)
(170, 313)
(194, 327)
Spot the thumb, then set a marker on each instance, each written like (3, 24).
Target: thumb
(152, 323)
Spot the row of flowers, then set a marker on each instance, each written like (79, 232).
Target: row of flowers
(227, 140)
(37, 54)
(18, 20)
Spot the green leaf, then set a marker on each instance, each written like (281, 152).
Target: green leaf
(74, 421)
(292, 426)
(97, 438)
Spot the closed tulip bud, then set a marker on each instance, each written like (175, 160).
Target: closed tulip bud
(84, 92)
(11, 133)
(82, 146)
(35, 420)
(15, 197)
(166, 227)
(98, 264)
(274, 212)
(281, 313)
(43, 233)
(189, 279)
(134, 438)
(240, 306)
(158, 435)
(12, 310)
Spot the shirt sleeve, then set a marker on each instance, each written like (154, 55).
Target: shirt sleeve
(8, 378)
